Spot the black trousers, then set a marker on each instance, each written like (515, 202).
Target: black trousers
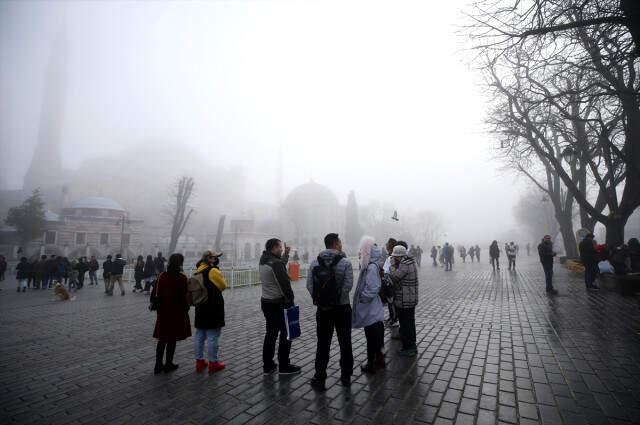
(338, 318)
(548, 275)
(512, 261)
(375, 340)
(590, 273)
(495, 262)
(407, 319)
(275, 325)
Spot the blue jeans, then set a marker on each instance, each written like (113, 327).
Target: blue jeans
(212, 336)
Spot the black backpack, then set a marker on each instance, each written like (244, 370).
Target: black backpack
(326, 292)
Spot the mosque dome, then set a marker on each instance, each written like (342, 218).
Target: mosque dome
(96, 203)
(310, 195)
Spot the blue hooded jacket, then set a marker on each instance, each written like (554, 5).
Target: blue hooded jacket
(367, 305)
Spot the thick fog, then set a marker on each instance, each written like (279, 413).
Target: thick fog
(372, 97)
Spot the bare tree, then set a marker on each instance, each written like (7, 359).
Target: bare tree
(181, 212)
(569, 95)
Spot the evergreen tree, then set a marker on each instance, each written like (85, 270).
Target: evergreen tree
(353, 231)
(28, 218)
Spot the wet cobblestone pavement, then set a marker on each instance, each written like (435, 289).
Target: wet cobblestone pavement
(492, 348)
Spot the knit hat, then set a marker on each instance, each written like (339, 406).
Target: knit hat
(399, 251)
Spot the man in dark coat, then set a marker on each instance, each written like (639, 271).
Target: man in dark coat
(546, 254)
(107, 266)
(589, 259)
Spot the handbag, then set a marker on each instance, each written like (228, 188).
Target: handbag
(154, 300)
(292, 322)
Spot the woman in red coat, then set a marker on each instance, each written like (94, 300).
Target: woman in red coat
(172, 323)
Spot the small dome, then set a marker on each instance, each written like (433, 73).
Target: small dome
(97, 203)
(311, 194)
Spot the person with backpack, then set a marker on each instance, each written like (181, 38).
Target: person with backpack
(329, 281)
(494, 254)
(434, 255)
(209, 319)
(277, 296)
(107, 265)
(368, 312)
(172, 316)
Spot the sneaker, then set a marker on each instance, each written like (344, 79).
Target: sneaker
(395, 324)
(289, 370)
(170, 367)
(270, 370)
(216, 366)
(368, 368)
(317, 384)
(200, 365)
(408, 352)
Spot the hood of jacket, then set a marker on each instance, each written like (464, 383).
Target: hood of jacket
(268, 257)
(328, 255)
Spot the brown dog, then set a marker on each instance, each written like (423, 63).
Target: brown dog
(60, 292)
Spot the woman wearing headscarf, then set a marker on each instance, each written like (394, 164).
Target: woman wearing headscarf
(368, 311)
(172, 323)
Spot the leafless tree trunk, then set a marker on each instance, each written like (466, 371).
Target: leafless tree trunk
(182, 212)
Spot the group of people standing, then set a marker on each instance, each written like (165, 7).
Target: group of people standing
(444, 255)
(330, 281)
(44, 272)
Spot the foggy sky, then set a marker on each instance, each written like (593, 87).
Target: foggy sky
(370, 96)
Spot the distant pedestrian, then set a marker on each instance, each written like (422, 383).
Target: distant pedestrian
(447, 255)
(511, 251)
(158, 262)
(22, 274)
(209, 319)
(329, 281)
(589, 259)
(93, 270)
(494, 255)
(148, 274)
(51, 271)
(41, 281)
(404, 274)
(477, 251)
(172, 317)
(138, 274)
(3, 267)
(419, 253)
(107, 267)
(463, 254)
(82, 267)
(546, 254)
(368, 311)
(434, 255)
(471, 252)
(277, 296)
(117, 270)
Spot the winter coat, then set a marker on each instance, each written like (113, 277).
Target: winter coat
(158, 263)
(93, 265)
(117, 267)
(210, 315)
(276, 285)
(172, 319)
(494, 251)
(405, 283)
(344, 273)
(149, 270)
(22, 270)
(107, 267)
(634, 255)
(367, 304)
(138, 271)
(510, 250)
(545, 252)
(588, 254)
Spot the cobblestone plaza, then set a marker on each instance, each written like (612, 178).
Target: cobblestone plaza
(492, 348)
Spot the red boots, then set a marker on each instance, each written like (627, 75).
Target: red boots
(216, 366)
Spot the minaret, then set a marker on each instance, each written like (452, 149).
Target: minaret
(45, 170)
